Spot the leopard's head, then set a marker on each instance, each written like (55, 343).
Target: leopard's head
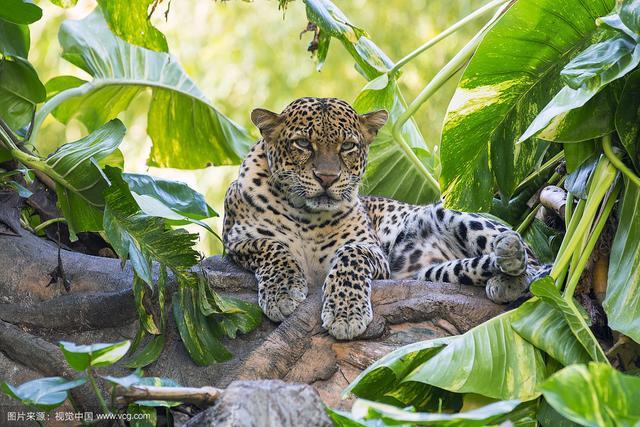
(317, 150)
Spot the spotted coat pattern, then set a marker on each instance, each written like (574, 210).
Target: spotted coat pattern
(295, 219)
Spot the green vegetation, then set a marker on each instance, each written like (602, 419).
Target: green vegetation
(543, 82)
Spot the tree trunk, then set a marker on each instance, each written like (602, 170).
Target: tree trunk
(34, 316)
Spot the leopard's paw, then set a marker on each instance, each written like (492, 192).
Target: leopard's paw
(346, 324)
(503, 289)
(511, 256)
(280, 304)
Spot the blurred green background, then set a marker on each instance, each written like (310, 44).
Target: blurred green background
(250, 54)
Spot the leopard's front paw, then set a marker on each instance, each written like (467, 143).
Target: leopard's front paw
(346, 323)
(279, 303)
(511, 256)
(503, 289)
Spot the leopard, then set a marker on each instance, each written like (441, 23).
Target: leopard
(295, 218)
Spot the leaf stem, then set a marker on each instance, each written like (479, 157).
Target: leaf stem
(619, 164)
(574, 278)
(52, 104)
(446, 33)
(47, 223)
(551, 162)
(92, 380)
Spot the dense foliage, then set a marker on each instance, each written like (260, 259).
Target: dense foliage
(544, 83)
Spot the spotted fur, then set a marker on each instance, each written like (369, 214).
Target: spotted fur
(295, 219)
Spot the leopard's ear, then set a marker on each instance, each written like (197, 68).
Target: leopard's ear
(372, 122)
(265, 120)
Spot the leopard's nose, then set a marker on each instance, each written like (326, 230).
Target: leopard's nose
(326, 179)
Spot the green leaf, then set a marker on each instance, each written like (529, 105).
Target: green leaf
(593, 120)
(386, 373)
(490, 359)
(61, 83)
(391, 415)
(628, 117)
(130, 21)
(171, 200)
(129, 380)
(43, 393)
(79, 214)
(14, 39)
(149, 354)
(186, 130)
(142, 416)
(81, 357)
(500, 93)
(74, 165)
(545, 289)
(370, 60)
(545, 327)
(20, 12)
(622, 301)
(198, 338)
(146, 319)
(540, 239)
(630, 15)
(577, 182)
(547, 416)
(594, 395)
(141, 237)
(589, 72)
(391, 172)
(20, 91)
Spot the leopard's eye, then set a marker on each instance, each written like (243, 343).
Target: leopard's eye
(347, 146)
(302, 143)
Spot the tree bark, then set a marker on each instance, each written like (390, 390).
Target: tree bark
(100, 308)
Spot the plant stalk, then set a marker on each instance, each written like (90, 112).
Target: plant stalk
(619, 164)
(92, 380)
(47, 223)
(446, 33)
(574, 278)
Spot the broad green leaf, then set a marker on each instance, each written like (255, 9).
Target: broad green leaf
(540, 239)
(74, 165)
(501, 92)
(547, 416)
(130, 21)
(630, 15)
(237, 316)
(595, 395)
(61, 83)
(198, 338)
(129, 380)
(370, 60)
(142, 416)
(148, 354)
(593, 120)
(490, 359)
(577, 182)
(20, 12)
(545, 289)
(81, 357)
(391, 415)
(20, 91)
(171, 200)
(345, 419)
(141, 237)
(78, 213)
(145, 318)
(545, 327)
(43, 393)
(390, 171)
(186, 130)
(386, 373)
(577, 154)
(628, 117)
(590, 71)
(14, 39)
(622, 301)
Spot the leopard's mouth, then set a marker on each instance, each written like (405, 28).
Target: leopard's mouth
(323, 201)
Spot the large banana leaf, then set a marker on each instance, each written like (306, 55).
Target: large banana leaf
(396, 168)
(186, 130)
(594, 395)
(622, 302)
(513, 74)
(545, 327)
(490, 359)
(545, 289)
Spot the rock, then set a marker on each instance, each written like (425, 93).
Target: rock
(266, 403)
